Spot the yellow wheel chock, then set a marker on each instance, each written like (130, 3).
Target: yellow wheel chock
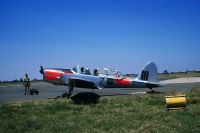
(175, 102)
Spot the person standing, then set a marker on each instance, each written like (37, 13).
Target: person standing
(26, 83)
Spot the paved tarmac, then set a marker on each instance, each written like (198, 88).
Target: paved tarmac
(15, 93)
(183, 80)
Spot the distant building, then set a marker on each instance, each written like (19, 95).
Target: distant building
(197, 71)
(21, 80)
(165, 72)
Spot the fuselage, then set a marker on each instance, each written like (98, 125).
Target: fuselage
(61, 77)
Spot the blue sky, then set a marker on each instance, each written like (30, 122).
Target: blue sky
(122, 34)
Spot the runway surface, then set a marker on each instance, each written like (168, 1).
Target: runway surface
(15, 93)
(183, 80)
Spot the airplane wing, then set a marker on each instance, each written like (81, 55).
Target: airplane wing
(80, 83)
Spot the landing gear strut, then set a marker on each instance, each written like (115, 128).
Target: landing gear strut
(70, 88)
(68, 93)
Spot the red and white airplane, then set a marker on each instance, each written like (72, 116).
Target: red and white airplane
(102, 78)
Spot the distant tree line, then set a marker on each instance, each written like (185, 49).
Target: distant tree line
(17, 80)
(187, 71)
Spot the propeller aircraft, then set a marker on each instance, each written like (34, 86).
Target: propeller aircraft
(102, 78)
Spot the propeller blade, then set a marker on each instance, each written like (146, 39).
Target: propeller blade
(41, 70)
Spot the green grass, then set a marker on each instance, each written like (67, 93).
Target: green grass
(177, 75)
(137, 114)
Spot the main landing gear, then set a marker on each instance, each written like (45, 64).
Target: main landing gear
(70, 89)
(68, 93)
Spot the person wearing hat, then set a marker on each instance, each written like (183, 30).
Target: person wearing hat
(87, 71)
(26, 83)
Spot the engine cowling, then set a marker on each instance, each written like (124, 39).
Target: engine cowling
(53, 76)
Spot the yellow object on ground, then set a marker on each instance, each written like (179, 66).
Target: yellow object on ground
(175, 102)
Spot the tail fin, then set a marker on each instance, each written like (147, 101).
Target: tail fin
(149, 73)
